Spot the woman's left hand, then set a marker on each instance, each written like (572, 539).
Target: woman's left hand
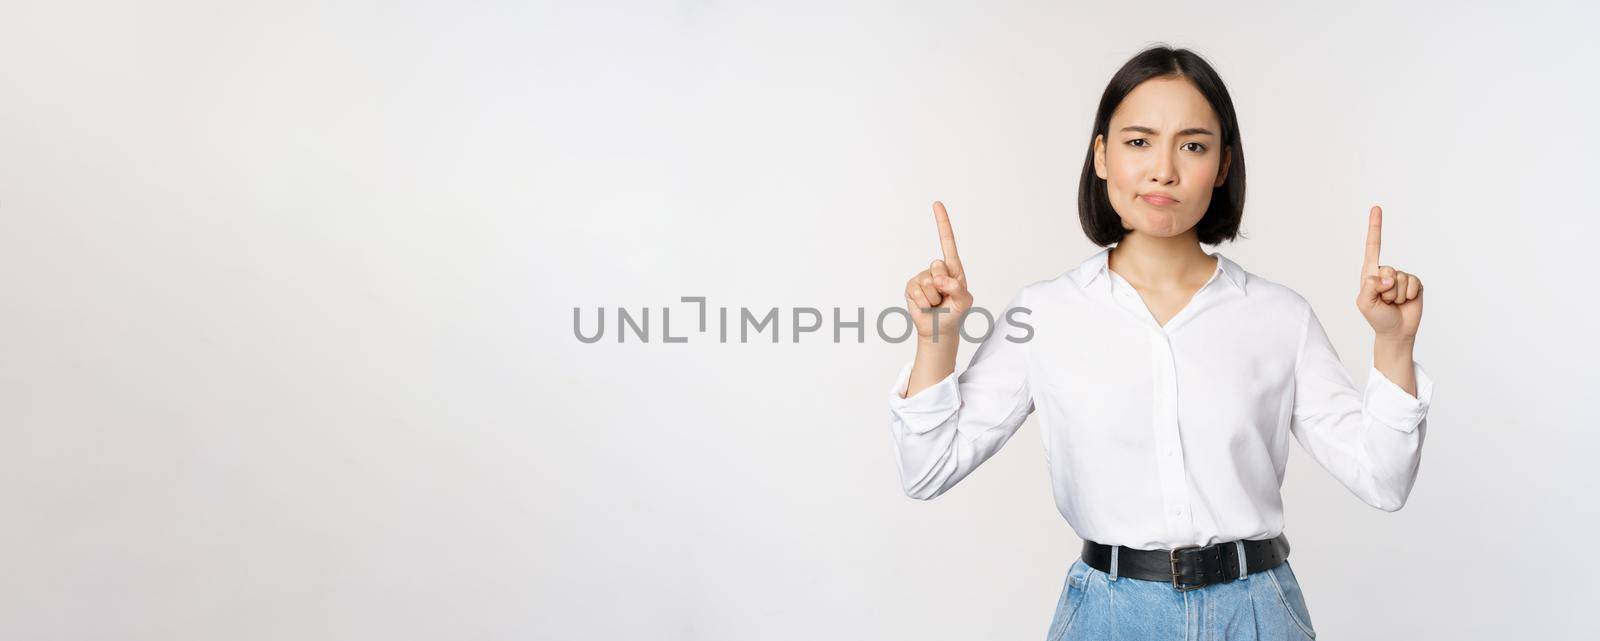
(1390, 299)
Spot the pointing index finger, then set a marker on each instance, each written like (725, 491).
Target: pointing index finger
(947, 239)
(1374, 240)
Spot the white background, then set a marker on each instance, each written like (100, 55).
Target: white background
(286, 294)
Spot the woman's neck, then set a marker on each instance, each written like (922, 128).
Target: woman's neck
(1153, 262)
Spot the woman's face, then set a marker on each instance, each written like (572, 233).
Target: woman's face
(1161, 157)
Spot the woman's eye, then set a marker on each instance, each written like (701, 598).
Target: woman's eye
(1138, 142)
(1197, 146)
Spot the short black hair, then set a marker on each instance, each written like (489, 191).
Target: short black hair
(1221, 221)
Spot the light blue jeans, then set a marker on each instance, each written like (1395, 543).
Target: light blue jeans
(1266, 605)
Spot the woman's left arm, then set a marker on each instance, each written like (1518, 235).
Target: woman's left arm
(1369, 438)
(1392, 302)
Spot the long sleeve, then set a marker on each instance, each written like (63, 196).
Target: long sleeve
(1371, 441)
(944, 432)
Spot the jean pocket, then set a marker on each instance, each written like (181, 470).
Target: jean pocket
(1072, 595)
(1290, 595)
(1079, 573)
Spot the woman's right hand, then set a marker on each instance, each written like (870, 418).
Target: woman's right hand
(942, 286)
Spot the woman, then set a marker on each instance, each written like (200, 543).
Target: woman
(1168, 380)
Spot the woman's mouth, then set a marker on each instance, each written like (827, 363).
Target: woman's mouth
(1158, 199)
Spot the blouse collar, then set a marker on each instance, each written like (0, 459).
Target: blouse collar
(1097, 265)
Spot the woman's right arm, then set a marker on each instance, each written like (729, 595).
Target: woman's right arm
(942, 427)
(937, 298)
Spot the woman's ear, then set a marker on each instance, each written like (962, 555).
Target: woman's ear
(1222, 172)
(1100, 156)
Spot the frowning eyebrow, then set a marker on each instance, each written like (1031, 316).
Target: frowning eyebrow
(1192, 131)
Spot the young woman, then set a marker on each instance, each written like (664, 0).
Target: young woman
(1168, 380)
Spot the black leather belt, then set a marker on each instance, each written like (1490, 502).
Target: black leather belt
(1189, 567)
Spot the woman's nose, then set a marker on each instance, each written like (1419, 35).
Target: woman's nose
(1164, 172)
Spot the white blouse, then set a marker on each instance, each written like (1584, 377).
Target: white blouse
(1158, 437)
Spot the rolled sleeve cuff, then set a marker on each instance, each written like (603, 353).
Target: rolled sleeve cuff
(1392, 406)
(928, 408)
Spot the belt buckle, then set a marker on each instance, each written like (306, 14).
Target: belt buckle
(1172, 558)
